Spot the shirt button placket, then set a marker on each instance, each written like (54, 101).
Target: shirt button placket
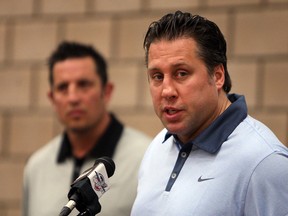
(173, 175)
(183, 154)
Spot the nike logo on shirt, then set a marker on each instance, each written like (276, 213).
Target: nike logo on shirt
(200, 179)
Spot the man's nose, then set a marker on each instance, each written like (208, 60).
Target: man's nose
(168, 89)
(73, 94)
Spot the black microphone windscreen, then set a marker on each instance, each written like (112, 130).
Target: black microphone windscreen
(108, 163)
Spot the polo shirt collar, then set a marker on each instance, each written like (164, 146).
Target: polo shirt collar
(215, 134)
(105, 146)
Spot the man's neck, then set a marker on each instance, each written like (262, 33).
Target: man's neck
(82, 142)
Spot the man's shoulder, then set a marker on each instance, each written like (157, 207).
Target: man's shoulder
(133, 134)
(133, 140)
(259, 133)
(45, 153)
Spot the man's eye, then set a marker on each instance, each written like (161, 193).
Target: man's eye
(157, 77)
(61, 87)
(182, 74)
(84, 84)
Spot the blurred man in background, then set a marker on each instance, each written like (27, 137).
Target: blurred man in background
(80, 93)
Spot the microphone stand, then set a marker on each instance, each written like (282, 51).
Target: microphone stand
(85, 213)
(90, 212)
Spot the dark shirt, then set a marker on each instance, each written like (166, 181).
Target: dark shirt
(105, 146)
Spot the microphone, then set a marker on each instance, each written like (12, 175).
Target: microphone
(89, 187)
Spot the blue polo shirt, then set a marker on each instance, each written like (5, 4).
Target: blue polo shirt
(236, 166)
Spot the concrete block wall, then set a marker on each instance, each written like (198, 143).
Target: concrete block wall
(256, 32)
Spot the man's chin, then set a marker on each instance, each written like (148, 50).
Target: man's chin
(175, 127)
(78, 129)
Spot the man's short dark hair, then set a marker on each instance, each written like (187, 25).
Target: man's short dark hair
(68, 50)
(210, 41)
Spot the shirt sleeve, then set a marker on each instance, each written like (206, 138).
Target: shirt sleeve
(267, 192)
(25, 192)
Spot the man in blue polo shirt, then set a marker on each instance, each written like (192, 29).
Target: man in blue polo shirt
(212, 158)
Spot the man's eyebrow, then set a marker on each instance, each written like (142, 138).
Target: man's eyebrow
(153, 69)
(60, 83)
(174, 65)
(181, 63)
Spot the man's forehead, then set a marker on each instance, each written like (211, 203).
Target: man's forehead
(74, 73)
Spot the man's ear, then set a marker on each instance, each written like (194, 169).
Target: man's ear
(219, 76)
(50, 96)
(108, 91)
